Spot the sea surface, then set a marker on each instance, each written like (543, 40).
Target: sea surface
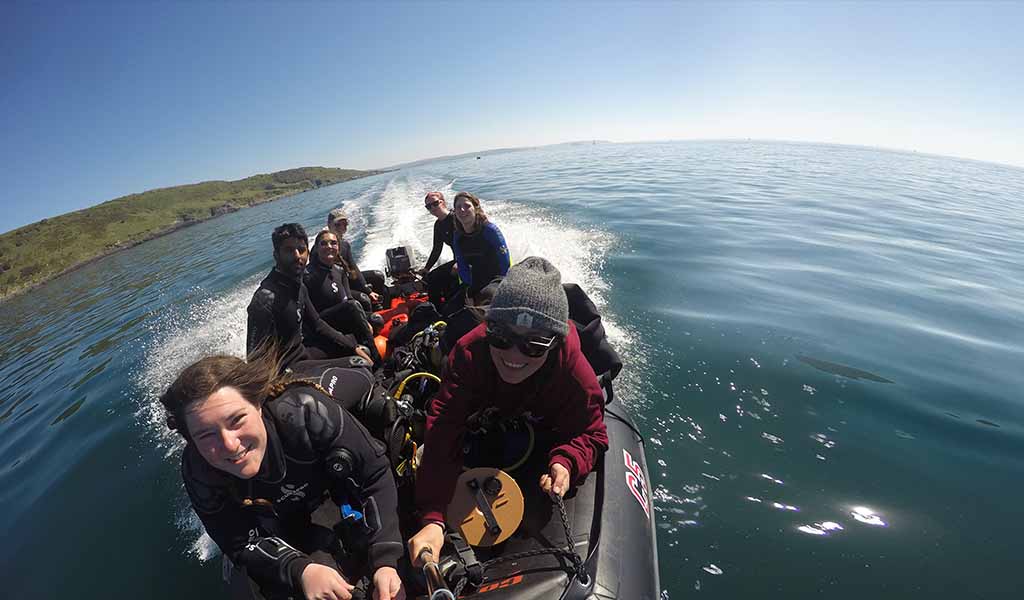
(824, 349)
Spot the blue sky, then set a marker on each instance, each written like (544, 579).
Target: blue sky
(101, 100)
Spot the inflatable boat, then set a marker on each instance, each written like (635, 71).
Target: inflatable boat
(506, 539)
(598, 543)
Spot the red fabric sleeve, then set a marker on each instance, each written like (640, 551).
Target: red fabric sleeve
(580, 420)
(446, 425)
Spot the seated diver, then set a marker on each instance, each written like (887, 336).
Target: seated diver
(262, 453)
(326, 280)
(442, 281)
(479, 248)
(582, 312)
(525, 358)
(368, 287)
(280, 309)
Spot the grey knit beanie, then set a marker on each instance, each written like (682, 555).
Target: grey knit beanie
(531, 295)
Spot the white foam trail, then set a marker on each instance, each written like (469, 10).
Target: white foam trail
(397, 218)
(212, 326)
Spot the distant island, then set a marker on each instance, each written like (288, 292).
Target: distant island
(88, 234)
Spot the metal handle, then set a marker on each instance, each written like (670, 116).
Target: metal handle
(436, 586)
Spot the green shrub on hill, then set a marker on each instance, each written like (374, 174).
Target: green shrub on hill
(87, 234)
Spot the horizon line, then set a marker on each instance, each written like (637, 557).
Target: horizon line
(422, 161)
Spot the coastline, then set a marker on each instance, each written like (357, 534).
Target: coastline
(226, 209)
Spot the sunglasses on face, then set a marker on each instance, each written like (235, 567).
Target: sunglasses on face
(534, 346)
(430, 205)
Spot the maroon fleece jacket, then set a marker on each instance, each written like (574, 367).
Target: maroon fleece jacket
(563, 397)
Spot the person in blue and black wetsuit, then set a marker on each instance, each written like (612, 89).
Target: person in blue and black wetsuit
(480, 249)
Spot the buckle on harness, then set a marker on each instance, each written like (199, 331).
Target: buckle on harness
(467, 558)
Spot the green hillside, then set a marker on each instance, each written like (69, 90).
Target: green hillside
(123, 222)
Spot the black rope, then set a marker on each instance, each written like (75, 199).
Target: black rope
(568, 553)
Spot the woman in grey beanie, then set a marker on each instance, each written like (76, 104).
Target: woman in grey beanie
(525, 358)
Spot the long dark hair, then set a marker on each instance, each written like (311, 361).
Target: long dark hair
(481, 216)
(314, 255)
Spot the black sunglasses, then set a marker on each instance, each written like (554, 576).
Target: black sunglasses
(430, 205)
(534, 347)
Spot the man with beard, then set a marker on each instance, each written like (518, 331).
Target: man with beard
(280, 309)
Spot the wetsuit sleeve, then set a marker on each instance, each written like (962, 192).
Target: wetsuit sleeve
(435, 251)
(237, 533)
(492, 235)
(330, 430)
(260, 324)
(446, 425)
(347, 342)
(465, 274)
(581, 422)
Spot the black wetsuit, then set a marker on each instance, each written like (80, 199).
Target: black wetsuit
(280, 309)
(314, 447)
(360, 283)
(440, 281)
(329, 291)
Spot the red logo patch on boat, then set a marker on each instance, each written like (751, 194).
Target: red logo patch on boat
(497, 585)
(635, 482)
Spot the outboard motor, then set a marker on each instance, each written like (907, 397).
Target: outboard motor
(399, 267)
(399, 263)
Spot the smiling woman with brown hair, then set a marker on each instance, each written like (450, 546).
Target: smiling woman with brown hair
(479, 246)
(262, 451)
(327, 284)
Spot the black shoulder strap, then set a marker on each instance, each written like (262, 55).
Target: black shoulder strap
(593, 339)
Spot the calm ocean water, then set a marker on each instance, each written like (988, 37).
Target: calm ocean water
(824, 348)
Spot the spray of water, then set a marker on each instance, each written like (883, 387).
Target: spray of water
(209, 326)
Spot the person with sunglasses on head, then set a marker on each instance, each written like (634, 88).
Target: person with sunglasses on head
(337, 223)
(478, 245)
(525, 358)
(440, 281)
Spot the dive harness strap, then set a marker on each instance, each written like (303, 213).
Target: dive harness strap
(467, 559)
